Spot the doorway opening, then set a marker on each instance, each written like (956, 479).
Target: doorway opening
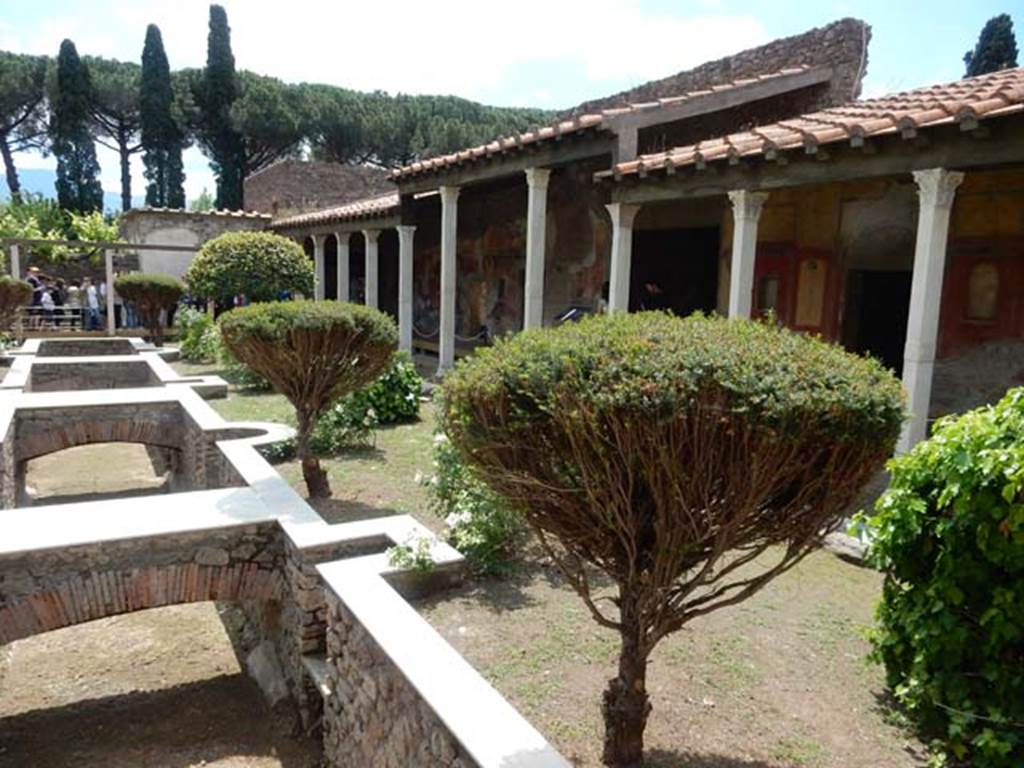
(876, 314)
(675, 270)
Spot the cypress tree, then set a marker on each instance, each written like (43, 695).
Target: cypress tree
(996, 48)
(218, 91)
(78, 186)
(162, 139)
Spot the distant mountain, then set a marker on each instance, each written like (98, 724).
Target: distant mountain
(42, 181)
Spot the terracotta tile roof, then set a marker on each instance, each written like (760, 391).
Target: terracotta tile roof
(964, 102)
(225, 214)
(594, 122)
(368, 208)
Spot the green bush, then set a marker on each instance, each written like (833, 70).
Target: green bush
(393, 398)
(258, 265)
(14, 294)
(153, 295)
(949, 536)
(480, 524)
(199, 339)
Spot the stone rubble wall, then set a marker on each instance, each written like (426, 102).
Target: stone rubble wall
(841, 45)
(374, 717)
(977, 377)
(42, 591)
(57, 377)
(85, 347)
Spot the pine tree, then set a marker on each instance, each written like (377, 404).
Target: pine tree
(115, 108)
(996, 48)
(78, 186)
(22, 111)
(217, 92)
(162, 139)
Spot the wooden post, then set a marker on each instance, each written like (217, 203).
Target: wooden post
(108, 256)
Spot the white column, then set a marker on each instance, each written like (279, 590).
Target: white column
(108, 257)
(343, 238)
(15, 264)
(318, 266)
(746, 210)
(536, 231)
(623, 215)
(405, 251)
(936, 189)
(449, 265)
(372, 269)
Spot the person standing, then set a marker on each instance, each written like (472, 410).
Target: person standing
(74, 307)
(92, 305)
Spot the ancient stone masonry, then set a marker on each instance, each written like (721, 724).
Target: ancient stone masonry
(842, 45)
(326, 624)
(374, 707)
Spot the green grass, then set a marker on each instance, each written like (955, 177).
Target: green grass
(379, 480)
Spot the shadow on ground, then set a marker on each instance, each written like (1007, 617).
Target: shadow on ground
(218, 721)
(348, 510)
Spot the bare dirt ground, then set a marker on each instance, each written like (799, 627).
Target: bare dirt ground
(159, 688)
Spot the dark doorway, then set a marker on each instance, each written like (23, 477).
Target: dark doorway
(676, 270)
(330, 275)
(875, 318)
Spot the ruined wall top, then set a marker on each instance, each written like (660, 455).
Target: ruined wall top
(842, 45)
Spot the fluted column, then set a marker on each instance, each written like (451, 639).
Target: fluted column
(405, 286)
(623, 215)
(372, 267)
(536, 230)
(746, 212)
(449, 265)
(936, 189)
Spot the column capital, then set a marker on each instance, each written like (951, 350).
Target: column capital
(343, 237)
(746, 204)
(405, 229)
(371, 235)
(936, 187)
(449, 194)
(318, 240)
(538, 177)
(623, 214)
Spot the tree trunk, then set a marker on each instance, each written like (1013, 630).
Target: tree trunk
(626, 705)
(126, 172)
(13, 184)
(314, 475)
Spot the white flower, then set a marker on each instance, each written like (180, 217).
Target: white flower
(440, 438)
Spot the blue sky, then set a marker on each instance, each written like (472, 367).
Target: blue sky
(546, 53)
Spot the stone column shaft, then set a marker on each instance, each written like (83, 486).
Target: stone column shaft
(623, 215)
(108, 258)
(343, 277)
(372, 267)
(936, 189)
(449, 266)
(536, 231)
(746, 211)
(15, 261)
(405, 286)
(318, 266)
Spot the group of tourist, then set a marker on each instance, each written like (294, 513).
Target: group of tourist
(57, 303)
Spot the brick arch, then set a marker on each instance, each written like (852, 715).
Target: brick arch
(39, 436)
(80, 597)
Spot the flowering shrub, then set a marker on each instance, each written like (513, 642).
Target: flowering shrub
(195, 341)
(394, 397)
(481, 526)
(949, 536)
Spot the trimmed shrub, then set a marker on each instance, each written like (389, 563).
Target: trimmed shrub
(258, 265)
(949, 536)
(152, 296)
(313, 353)
(480, 523)
(668, 453)
(14, 294)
